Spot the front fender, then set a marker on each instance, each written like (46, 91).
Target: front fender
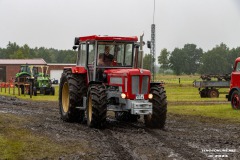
(231, 91)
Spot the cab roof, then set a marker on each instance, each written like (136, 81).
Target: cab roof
(108, 38)
(238, 59)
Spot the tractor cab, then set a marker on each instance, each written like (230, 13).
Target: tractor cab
(98, 54)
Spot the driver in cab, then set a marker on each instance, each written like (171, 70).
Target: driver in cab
(105, 59)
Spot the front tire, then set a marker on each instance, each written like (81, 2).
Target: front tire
(71, 92)
(96, 106)
(52, 91)
(158, 118)
(235, 100)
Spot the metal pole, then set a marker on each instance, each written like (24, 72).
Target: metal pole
(153, 49)
(141, 50)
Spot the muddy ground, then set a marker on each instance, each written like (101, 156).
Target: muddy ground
(184, 137)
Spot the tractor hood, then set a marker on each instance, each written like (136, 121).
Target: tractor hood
(126, 72)
(134, 83)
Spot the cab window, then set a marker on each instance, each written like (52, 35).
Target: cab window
(91, 54)
(81, 59)
(238, 67)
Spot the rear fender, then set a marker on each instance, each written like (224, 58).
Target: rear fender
(78, 70)
(156, 84)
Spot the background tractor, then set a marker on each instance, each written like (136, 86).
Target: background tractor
(40, 80)
(95, 86)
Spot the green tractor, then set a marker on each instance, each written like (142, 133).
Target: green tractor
(40, 80)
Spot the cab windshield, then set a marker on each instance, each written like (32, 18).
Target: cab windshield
(115, 54)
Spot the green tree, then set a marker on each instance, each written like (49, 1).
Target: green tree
(186, 60)
(3, 53)
(192, 56)
(215, 61)
(176, 61)
(11, 49)
(18, 54)
(163, 59)
(147, 64)
(26, 51)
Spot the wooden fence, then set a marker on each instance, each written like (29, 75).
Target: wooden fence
(7, 87)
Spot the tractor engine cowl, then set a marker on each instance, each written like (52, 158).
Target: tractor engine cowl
(129, 89)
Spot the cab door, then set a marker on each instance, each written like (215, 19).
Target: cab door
(235, 78)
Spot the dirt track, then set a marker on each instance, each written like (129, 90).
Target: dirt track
(184, 137)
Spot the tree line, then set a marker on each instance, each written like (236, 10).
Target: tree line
(14, 51)
(187, 60)
(191, 60)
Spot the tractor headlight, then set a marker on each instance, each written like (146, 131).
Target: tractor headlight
(150, 96)
(123, 95)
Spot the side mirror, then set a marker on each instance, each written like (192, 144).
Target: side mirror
(74, 47)
(76, 41)
(148, 44)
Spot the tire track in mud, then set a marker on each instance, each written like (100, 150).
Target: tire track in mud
(180, 148)
(119, 150)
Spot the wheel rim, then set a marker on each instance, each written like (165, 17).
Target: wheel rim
(65, 97)
(235, 101)
(89, 108)
(213, 94)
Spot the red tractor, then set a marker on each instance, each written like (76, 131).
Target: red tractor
(107, 78)
(234, 92)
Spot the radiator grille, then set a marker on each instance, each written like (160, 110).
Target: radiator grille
(145, 85)
(135, 84)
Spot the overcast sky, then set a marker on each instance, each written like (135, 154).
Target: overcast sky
(55, 23)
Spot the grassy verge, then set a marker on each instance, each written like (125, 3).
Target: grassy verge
(39, 97)
(219, 111)
(185, 92)
(19, 143)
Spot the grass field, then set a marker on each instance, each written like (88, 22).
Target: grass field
(18, 143)
(183, 99)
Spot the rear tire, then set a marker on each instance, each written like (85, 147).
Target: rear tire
(213, 93)
(203, 93)
(96, 106)
(158, 118)
(71, 92)
(235, 100)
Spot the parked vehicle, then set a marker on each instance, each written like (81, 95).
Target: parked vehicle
(37, 76)
(234, 92)
(209, 87)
